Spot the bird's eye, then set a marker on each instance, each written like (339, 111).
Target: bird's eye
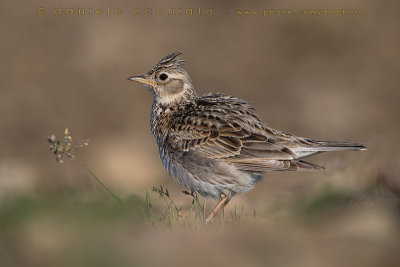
(163, 76)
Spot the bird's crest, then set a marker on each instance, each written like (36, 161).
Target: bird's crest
(171, 61)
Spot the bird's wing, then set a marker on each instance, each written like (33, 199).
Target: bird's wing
(231, 133)
(227, 141)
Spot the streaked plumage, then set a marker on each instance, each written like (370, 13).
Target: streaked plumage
(216, 144)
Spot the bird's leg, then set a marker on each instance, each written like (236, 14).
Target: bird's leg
(221, 204)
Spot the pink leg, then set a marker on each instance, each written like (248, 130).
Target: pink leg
(221, 204)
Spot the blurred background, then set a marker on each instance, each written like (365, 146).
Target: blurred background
(327, 77)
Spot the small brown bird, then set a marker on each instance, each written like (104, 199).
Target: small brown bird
(215, 144)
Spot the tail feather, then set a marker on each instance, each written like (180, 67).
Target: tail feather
(324, 146)
(299, 165)
(333, 145)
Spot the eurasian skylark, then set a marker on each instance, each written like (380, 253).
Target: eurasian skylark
(215, 144)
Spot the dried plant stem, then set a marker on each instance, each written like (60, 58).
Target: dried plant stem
(111, 192)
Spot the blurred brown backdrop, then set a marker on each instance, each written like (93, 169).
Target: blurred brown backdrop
(324, 77)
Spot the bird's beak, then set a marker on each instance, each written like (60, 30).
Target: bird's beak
(142, 79)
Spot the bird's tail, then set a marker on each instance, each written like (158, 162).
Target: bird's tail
(334, 146)
(325, 146)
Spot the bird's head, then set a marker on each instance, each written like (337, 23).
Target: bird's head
(167, 80)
